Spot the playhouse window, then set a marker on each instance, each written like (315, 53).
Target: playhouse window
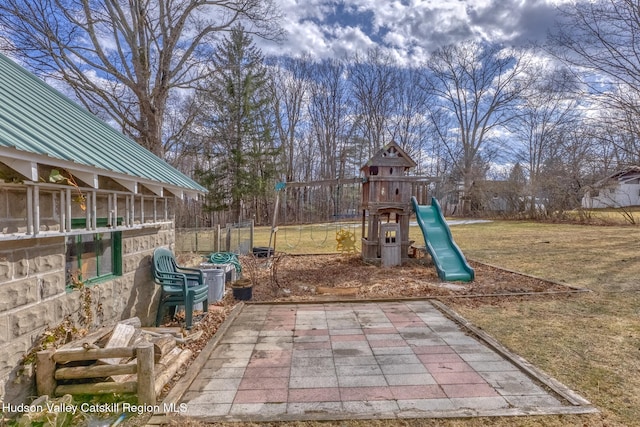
(94, 256)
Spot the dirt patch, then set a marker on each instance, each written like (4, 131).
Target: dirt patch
(299, 278)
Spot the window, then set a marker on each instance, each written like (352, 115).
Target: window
(93, 257)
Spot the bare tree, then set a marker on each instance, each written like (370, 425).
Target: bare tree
(291, 93)
(408, 125)
(123, 59)
(547, 112)
(373, 83)
(620, 135)
(329, 113)
(600, 41)
(564, 173)
(476, 85)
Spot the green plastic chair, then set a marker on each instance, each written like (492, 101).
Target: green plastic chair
(180, 286)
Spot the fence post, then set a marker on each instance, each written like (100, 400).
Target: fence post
(45, 373)
(146, 374)
(217, 239)
(251, 238)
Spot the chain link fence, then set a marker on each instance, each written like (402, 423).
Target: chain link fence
(236, 238)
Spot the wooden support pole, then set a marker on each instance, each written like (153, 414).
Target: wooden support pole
(141, 209)
(146, 374)
(63, 212)
(166, 209)
(68, 208)
(45, 373)
(94, 210)
(115, 210)
(36, 209)
(132, 212)
(87, 212)
(127, 210)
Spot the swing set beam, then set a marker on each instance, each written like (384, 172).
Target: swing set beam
(323, 182)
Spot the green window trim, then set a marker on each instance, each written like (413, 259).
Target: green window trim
(79, 244)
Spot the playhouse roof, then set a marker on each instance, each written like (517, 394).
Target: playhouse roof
(39, 125)
(391, 155)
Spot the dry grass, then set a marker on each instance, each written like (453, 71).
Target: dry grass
(589, 342)
(306, 239)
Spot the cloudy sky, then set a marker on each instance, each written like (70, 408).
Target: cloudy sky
(407, 28)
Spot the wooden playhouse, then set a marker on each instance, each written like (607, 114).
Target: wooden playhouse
(386, 205)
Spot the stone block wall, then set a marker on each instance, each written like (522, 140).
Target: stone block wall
(33, 296)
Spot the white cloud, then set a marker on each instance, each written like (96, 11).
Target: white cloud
(409, 28)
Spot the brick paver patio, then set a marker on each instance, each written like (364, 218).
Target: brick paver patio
(359, 360)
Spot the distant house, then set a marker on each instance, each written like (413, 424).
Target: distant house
(81, 205)
(496, 197)
(619, 189)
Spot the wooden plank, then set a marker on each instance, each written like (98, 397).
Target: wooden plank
(121, 336)
(97, 388)
(72, 355)
(324, 182)
(426, 179)
(132, 321)
(45, 373)
(97, 371)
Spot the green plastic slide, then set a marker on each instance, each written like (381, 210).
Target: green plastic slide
(447, 256)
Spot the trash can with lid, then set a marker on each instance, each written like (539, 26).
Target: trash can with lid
(214, 278)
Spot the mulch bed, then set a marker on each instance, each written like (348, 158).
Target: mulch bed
(299, 278)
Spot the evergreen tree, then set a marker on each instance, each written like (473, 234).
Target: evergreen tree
(516, 188)
(236, 115)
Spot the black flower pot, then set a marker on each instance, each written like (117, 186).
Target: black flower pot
(243, 294)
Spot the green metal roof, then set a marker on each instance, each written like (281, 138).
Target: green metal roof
(40, 123)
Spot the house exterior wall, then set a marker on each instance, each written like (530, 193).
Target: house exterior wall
(33, 296)
(621, 195)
